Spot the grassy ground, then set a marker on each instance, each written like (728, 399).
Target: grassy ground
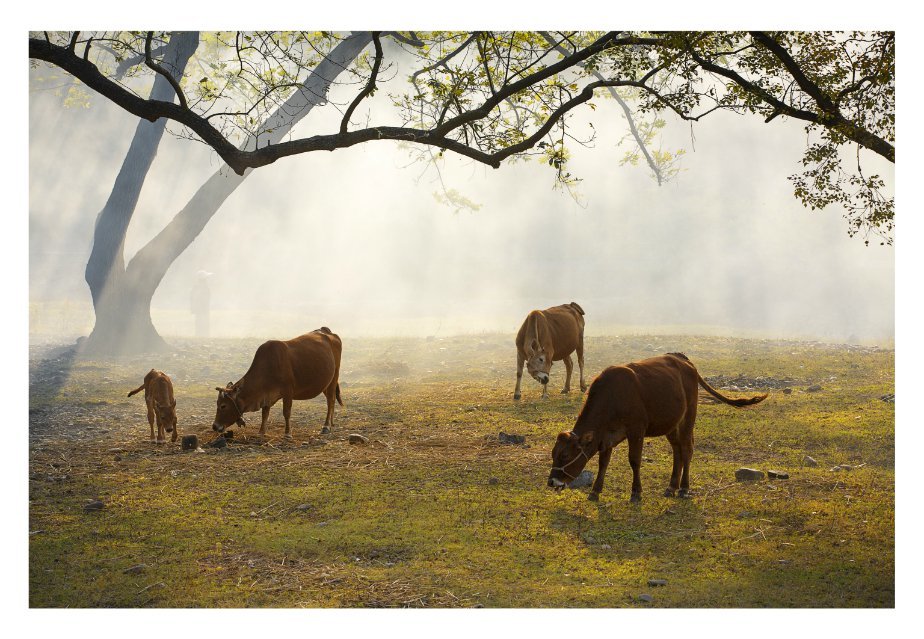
(434, 511)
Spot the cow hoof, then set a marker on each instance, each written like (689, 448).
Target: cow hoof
(287, 437)
(669, 492)
(516, 396)
(593, 496)
(325, 431)
(684, 493)
(565, 391)
(635, 498)
(161, 441)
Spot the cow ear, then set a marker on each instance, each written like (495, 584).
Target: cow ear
(587, 437)
(563, 437)
(220, 389)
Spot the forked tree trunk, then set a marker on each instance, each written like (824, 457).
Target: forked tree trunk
(122, 295)
(123, 309)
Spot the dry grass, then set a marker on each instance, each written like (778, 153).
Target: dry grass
(435, 511)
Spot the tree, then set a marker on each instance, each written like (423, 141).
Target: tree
(486, 96)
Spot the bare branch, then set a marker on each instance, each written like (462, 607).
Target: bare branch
(370, 86)
(161, 70)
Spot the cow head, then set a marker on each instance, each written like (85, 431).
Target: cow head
(228, 410)
(166, 415)
(538, 361)
(569, 456)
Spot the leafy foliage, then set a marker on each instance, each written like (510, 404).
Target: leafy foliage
(494, 96)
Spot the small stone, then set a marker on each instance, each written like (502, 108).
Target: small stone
(478, 605)
(845, 467)
(777, 474)
(117, 458)
(93, 506)
(504, 438)
(809, 461)
(189, 442)
(355, 438)
(814, 388)
(493, 481)
(219, 442)
(646, 598)
(303, 507)
(586, 478)
(787, 391)
(654, 583)
(748, 474)
(134, 570)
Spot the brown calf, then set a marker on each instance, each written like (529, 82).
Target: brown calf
(550, 336)
(300, 368)
(158, 395)
(654, 397)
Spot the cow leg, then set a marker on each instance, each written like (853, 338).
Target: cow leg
(161, 434)
(671, 489)
(520, 361)
(580, 359)
(151, 420)
(287, 413)
(569, 366)
(686, 449)
(635, 461)
(264, 416)
(329, 393)
(597, 488)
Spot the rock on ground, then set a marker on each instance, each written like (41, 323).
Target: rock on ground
(586, 478)
(748, 474)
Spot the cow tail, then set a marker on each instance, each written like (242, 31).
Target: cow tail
(744, 401)
(339, 399)
(137, 390)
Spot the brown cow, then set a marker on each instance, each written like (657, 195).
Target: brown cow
(549, 336)
(654, 397)
(158, 395)
(300, 368)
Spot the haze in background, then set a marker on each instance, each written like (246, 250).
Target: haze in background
(356, 241)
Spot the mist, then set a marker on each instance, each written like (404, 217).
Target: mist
(355, 239)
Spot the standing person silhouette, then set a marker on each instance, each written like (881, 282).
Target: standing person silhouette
(199, 299)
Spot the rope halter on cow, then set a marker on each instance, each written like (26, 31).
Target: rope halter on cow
(240, 415)
(574, 459)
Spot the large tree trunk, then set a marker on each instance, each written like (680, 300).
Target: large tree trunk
(132, 331)
(123, 310)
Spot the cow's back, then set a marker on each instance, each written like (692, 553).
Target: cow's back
(566, 328)
(667, 386)
(314, 361)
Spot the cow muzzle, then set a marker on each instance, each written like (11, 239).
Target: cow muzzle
(218, 428)
(542, 378)
(557, 484)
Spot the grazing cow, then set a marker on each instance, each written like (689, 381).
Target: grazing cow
(549, 336)
(158, 395)
(300, 368)
(654, 397)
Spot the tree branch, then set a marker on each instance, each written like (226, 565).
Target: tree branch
(148, 60)
(370, 86)
(625, 107)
